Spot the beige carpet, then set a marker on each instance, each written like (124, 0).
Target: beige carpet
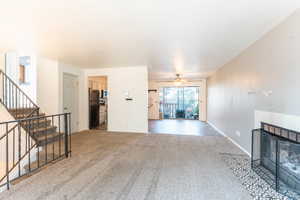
(119, 166)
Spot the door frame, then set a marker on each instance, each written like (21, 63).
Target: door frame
(74, 117)
(88, 97)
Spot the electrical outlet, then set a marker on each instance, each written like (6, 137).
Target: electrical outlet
(238, 133)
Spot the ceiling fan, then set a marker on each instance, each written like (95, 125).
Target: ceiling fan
(178, 80)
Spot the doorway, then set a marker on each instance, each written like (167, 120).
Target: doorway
(70, 98)
(179, 102)
(98, 102)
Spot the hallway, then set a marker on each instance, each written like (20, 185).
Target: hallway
(120, 166)
(181, 127)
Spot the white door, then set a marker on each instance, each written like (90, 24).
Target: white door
(70, 98)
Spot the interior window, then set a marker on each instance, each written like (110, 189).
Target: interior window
(24, 66)
(22, 74)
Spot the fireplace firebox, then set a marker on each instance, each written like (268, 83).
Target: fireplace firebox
(275, 157)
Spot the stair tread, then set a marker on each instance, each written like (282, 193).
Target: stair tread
(49, 136)
(41, 121)
(21, 115)
(43, 128)
(32, 114)
(17, 109)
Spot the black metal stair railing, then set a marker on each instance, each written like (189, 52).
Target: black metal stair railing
(33, 139)
(25, 151)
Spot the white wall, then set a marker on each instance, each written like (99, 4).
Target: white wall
(242, 86)
(202, 96)
(50, 86)
(123, 116)
(11, 65)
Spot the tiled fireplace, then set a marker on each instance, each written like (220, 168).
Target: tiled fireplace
(276, 158)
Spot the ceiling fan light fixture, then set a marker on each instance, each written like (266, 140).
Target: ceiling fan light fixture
(177, 83)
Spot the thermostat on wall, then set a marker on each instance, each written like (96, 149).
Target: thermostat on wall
(127, 96)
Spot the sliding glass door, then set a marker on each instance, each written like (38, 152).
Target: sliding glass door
(179, 102)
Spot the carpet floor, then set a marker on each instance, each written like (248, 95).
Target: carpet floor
(127, 166)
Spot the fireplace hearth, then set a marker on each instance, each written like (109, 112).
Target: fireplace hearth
(275, 157)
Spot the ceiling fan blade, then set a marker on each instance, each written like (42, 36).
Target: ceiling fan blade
(165, 81)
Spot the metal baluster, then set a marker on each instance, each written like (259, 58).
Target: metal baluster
(66, 135)
(9, 95)
(19, 138)
(59, 142)
(46, 145)
(6, 91)
(38, 152)
(26, 102)
(12, 95)
(252, 140)
(14, 146)
(8, 88)
(29, 133)
(70, 129)
(277, 166)
(2, 88)
(16, 101)
(23, 101)
(53, 142)
(7, 175)
(26, 136)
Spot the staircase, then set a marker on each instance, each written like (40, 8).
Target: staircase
(38, 127)
(33, 139)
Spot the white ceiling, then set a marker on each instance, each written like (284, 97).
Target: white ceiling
(192, 37)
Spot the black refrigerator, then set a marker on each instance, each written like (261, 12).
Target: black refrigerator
(94, 106)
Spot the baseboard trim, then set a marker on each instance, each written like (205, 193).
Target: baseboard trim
(229, 138)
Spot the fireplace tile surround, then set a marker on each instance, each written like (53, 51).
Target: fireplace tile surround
(275, 156)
